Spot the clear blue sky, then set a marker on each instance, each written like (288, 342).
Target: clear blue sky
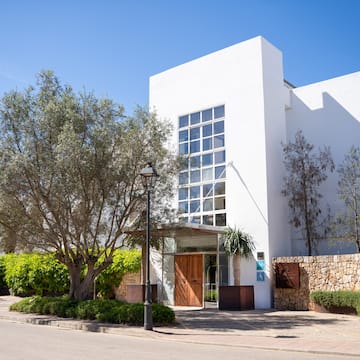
(111, 47)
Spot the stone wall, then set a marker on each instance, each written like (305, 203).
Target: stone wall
(328, 273)
(120, 292)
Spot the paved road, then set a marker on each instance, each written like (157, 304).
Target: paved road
(20, 341)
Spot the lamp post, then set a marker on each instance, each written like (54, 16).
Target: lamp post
(148, 174)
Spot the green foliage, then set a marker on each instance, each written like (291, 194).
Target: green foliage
(124, 261)
(327, 299)
(238, 242)
(111, 311)
(35, 274)
(2, 274)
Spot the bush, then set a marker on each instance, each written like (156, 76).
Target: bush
(344, 299)
(111, 311)
(39, 274)
(3, 287)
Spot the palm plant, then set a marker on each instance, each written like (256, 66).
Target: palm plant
(238, 244)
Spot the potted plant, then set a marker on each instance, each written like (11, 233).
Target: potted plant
(237, 244)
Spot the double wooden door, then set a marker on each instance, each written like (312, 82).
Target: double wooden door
(189, 280)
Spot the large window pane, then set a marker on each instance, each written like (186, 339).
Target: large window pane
(195, 176)
(220, 188)
(208, 190)
(195, 162)
(183, 178)
(195, 133)
(207, 115)
(219, 157)
(219, 141)
(207, 144)
(183, 148)
(207, 130)
(194, 147)
(194, 192)
(219, 127)
(207, 159)
(220, 220)
(220, 203)
(208, 205)
(183, 135)
(183, 121)
(219, 112)
(195, 118)
(183, 193)
(220, 172)
(208, 219)
(183, 207)
(195, 206)
(207, 174)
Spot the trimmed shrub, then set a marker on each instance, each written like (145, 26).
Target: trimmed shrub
(340, 299)
(111, 311)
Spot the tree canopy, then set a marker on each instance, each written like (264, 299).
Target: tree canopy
(69, 174)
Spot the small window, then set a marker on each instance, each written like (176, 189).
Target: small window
(207, 174)
(208, 190)
(195, 133)
(183, 194)
(195, 147)
(195, 219)
(219, 157)
(195, 118)
(219, 112)
(220, 203)
(183, 207)
(195, 162)
(219, 127)
(207, 115)
(195, 206)
(220, 219)
(195, 176)
(207, 144)
(208, 219)
(194, 192)
(220, 172)
(208, 205)
(207, 159)
(183, 148)
(220, 188)
(183, 135)
(183, 121)
(183, 178)
(207, 130)
(219, 141)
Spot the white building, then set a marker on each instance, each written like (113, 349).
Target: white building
(231, 112)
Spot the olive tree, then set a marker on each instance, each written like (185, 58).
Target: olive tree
(306, 171)
(69, 174)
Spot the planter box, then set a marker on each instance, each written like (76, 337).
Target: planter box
(135, 293)
(236, 298)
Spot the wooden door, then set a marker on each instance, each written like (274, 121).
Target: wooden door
(189, 280)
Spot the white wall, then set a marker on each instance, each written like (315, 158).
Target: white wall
(328, 113)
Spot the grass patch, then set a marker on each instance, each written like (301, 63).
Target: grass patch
(111, 311)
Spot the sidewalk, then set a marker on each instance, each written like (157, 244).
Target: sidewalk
(267, 329)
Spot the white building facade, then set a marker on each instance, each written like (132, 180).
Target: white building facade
(231, 111)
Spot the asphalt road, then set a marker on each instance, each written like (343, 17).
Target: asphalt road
(20, 341)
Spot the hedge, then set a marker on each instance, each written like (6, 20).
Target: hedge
(347, 299)
(111, 311)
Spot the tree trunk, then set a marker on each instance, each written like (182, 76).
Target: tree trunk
(236, 269)
(81, 289)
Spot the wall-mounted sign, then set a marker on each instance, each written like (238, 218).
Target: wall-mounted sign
(287, 275)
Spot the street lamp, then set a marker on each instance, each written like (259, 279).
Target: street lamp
(148, 174)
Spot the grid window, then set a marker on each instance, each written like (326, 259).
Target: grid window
(220, 172)
(220, 188)
(219, 112)
(195, 118)
(183, 121)
(183, 207)
(208, 219)
(220, 220)
(208, 205)
(195, 133)
(195, 176)
(195, 146)
(207, 159)
(207, 115)
(219, 141)
(219, 157)
(219, 127)
(183, 148)
(207, 130)
(183, 178)
(196, 219)
(208, 190)
(195, 162)
(207, 144)
(194, 192)
(195, 206)
(183, 135)
(207, 174)
(220, 203)
(183, 193)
